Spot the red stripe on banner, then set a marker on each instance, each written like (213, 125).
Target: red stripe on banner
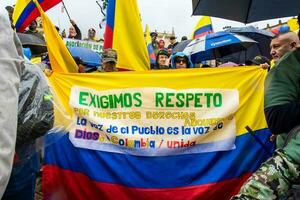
(67, 185)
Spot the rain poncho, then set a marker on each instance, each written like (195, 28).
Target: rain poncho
(35, 118)
(11, 67)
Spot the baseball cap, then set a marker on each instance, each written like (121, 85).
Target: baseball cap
(258, 60)
(109, 55)
(152, 34)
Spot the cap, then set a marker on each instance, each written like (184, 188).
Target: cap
(258, 60)
(109, 55)
(162, 52)
(92, 29)
(152, 34)
(184, 38)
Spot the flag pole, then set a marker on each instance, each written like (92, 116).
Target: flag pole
(66, 9)
(101, 8)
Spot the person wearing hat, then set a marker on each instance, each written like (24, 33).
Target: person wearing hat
(154, 42)
(263, 61)
(173, 42)
(184, 38)
(109, 60)
(10, 11)
(32, 29)
(91, 35)
(162, 60)
(161, 45)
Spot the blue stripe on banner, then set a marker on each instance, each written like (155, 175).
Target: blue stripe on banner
(25, 14)
(110, 21)
(203, 29)
(159, 172)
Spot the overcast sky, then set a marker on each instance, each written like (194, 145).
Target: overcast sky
(160, 15)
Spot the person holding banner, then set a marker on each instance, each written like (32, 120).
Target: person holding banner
(279, 177)
(162, 60)
(109, 60)
(180, 61)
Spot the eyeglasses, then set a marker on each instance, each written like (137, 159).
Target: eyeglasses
(180, 60)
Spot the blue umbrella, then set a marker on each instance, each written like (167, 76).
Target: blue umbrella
(216, 45)
(88, 57)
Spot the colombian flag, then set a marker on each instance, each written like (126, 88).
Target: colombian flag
(60, 57)
(74, 173)
(124, 33)
(149, 46)
(203, 27)
(25, 12)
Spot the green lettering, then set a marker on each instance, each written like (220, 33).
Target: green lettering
(118, 100)
(104, 103)
(127, 100)
(197, 100)
(208, 96)
(189, 97)
(180, 102)
(82, 99)
(93, 100)
(218, 100)
(136, 97)
(169, 100)
(159, 97)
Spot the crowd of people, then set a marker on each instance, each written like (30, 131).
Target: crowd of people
(282, 91)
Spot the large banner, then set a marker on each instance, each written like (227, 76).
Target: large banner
(94, 46)
(177, 134)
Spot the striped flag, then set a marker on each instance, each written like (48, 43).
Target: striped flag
(124, 33)
(203, 27)
(25, 12)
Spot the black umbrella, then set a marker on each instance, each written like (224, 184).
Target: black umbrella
(181, 46)
(36, 44)
(263, 38)
(247, 11)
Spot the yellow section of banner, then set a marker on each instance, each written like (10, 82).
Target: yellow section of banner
(247, 81)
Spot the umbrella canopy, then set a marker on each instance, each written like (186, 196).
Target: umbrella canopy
(216, 45)
(262, 47)
(246, 11)
(89, 57)
(36, 45)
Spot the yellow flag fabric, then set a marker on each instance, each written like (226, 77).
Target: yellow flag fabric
(128, 37)
(111, 93)
(293, 24)
(151, 123)
(147, 35)
(60, 58)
